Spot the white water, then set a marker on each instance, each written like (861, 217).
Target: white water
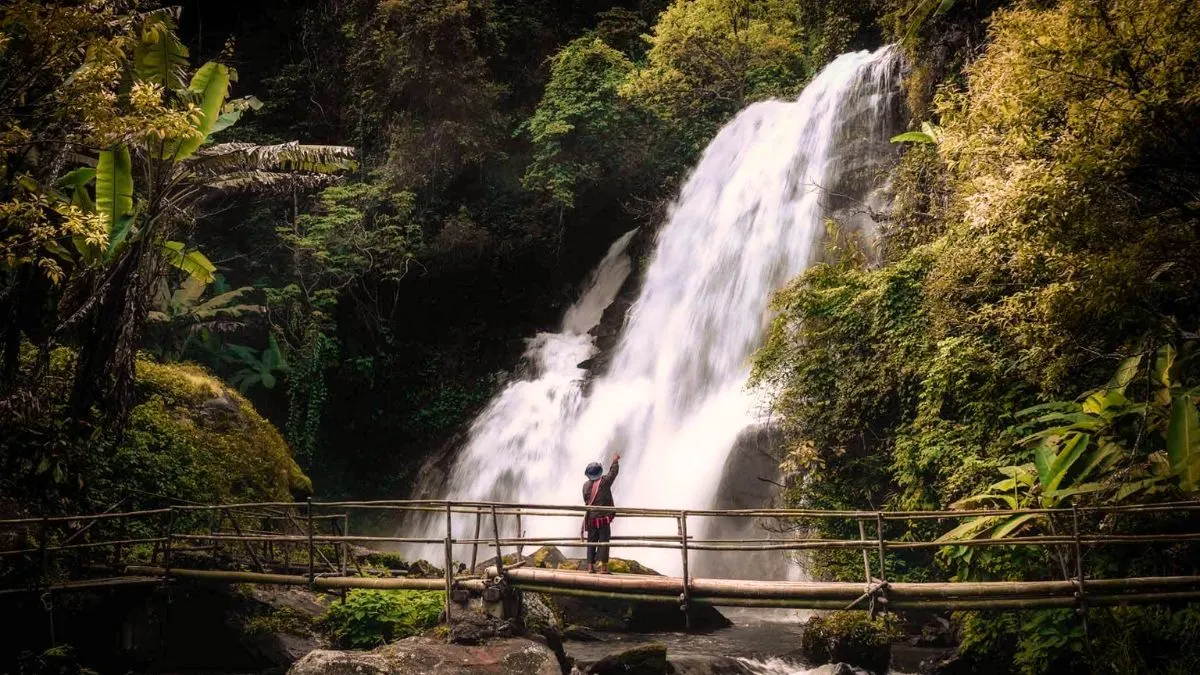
(674, 399)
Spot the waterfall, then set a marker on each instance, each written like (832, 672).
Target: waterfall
(674, 401)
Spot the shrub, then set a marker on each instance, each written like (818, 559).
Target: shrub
(370, 618)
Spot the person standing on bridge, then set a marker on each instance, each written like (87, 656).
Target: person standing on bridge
(597, 525)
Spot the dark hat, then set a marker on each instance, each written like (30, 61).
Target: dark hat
(593, 470)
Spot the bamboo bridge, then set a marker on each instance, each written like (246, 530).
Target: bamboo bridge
(311, 544)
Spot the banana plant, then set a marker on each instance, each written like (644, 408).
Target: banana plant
(258, 368)
(157, 175)
(1082, 451)
(183, 315)
(189, 164)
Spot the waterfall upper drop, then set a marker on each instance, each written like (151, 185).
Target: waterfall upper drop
(674, 400)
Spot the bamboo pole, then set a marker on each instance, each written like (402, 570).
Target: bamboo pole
(167, 543)
(862, 534)
(496, 534)
(237, 577)
(475, 543)
(249, 548)
(540, 509)
(685, 597)
(520, 534)
(449, 562)
(311, 548)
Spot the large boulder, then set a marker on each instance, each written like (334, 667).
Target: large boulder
(427, 656)
(647, 659)
(276, 625)
(851, 637)
(615, 614)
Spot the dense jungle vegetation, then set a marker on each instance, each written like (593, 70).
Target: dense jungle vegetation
(230, 229)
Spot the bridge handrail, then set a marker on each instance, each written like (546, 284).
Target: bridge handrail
(261, 527)
(572, 510)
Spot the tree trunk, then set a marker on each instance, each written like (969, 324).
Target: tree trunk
(104, 372)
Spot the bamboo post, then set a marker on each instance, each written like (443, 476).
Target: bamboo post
(496, 538)
(520, 535)
(1081, 593)
(475, 543)
(249, 546)
(44, 550)
(879, 532)
(449, 562)
(167, 543)
(121, 530)
(686, 596)
(343, 530)
(214, 526)
(862, 536)
(311, 550)
(882, 568)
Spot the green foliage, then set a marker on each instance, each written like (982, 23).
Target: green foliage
(355, 231)
(1147, 639)
(114, 186)
(257, 369)
(709, 58)
(851, 636)
(579, 115)
(307, 392)
(1101, 447)
(189, 436)
(57, 660)
(370, 618)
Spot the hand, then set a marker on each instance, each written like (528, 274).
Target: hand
(617, 457)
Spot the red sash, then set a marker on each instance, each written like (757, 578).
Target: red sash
(602, 520)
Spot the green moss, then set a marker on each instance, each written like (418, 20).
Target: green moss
(189, 436)
(851, 637)
(191, 430)
(278, 620)
(391, 561)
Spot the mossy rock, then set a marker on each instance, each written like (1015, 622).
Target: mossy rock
(647, 659)
(851, 637)
(619, 615)
(189, 436)
(186, 411)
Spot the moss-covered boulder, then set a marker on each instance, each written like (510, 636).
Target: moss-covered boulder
(851, 637)
(193, 430)
(188, 436)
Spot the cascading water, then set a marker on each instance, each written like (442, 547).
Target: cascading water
(674, 401)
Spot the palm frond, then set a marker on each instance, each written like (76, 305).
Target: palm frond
(291, 156)
(269, 181)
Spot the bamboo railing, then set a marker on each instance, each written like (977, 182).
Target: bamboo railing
(309, 544)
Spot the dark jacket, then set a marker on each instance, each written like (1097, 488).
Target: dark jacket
(603, 495)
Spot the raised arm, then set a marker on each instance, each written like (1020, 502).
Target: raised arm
(613, 470)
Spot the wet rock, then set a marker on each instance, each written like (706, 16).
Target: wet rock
(707, 665)
(276, 625)
(472, 628)
(647, 659)
(836, 669)
(425, 656)
(539, 613)
(620, 615)
(581, 634)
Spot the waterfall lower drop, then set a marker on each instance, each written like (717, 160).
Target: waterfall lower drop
(674, 401)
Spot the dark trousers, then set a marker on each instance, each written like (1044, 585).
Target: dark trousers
(598, 554)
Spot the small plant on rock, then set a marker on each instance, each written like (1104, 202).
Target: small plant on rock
(370, 618)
